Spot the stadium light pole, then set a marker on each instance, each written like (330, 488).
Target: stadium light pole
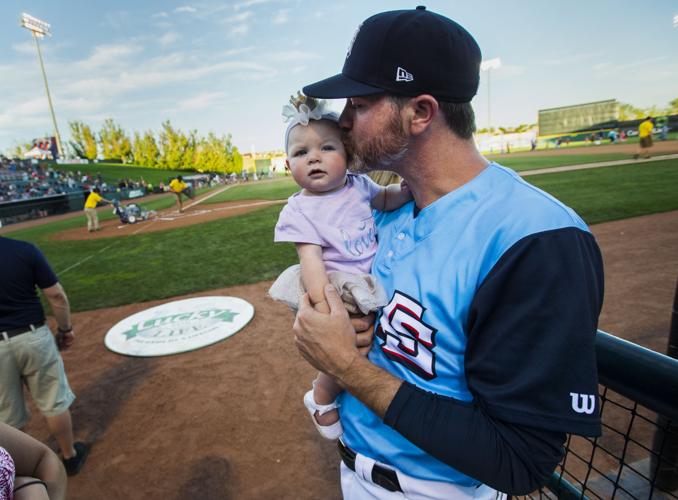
(40, 29)
(488, 66)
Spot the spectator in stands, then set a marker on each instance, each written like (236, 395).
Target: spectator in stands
(91, 209)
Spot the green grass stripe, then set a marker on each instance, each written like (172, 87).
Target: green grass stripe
(279, 189)
(523, 163)
(606, 194)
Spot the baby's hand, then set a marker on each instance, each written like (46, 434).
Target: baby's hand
(404, 188)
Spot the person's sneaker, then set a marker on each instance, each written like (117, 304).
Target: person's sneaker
(75, 463)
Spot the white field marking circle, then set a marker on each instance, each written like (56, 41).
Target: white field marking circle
(179, 326)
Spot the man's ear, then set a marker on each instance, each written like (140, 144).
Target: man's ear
(422, 110)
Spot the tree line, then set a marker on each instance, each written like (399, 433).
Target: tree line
(169, 148)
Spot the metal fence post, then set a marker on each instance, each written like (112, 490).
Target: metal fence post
(665, 442)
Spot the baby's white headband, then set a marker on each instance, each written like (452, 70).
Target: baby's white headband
(303, 109)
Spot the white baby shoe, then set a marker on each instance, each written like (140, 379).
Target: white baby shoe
(333, 431)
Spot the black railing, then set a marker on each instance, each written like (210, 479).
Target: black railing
(636, 457)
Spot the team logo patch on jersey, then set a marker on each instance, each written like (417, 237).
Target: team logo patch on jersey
(583, 403)
(406, 338)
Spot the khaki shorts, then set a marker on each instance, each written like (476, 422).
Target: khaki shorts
(32, 358)
(646, 142)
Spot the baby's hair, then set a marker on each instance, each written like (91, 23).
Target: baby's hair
(302, 109)
(299, 99)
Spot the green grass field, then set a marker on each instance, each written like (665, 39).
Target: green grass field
(238, 250)
(279, 189)
(523, 163)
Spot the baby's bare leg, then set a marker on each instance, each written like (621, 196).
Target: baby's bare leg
(326, 390)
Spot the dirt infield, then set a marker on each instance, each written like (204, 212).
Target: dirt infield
(659, 147)
(166, 219)
(227, 421)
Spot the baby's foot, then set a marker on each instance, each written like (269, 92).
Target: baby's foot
(325, 417)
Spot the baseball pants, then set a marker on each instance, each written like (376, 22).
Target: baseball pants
(359, 486)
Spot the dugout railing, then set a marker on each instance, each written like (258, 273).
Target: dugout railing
(637, 455)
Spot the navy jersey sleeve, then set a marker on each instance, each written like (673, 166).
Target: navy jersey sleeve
(530, 364)
(530, 357)
(513, 459)
(44, 276)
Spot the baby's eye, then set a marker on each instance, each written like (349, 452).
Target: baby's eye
(328, 147)
(299, 152)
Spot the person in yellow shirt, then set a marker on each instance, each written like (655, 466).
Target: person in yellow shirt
(645, 134)
(179, 187)
(93, 198)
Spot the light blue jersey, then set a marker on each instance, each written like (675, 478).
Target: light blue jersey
(431, 266)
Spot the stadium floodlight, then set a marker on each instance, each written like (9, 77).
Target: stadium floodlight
(35, 25)
(488, 65)
(40, 29)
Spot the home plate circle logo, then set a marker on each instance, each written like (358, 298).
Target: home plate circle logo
(180, 326)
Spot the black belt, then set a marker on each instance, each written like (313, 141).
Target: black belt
(386, 478)
(18, 331)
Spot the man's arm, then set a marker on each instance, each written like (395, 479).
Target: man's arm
(511, 458)
(58, 301)
(327, 341)
(521, 411)
(391, 197)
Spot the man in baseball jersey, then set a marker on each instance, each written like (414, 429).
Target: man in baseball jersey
(484, 357)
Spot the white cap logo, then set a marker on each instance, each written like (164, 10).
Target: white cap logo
(355, 35)
(403, 75)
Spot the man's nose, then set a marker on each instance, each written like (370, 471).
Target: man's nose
(346, 117)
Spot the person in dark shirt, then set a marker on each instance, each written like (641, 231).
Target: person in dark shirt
(29, 353)
(484, 358)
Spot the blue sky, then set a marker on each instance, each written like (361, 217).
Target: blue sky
(228, 67)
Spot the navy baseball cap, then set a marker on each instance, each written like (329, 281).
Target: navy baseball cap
(408, 53)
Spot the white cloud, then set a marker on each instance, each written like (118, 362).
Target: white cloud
(200, 101)
(24, 47)
(569, 59)
(291, 55)
(240, 30)
(159, 15)
(237, 18)
(109, 55)
(185, 9)
(168, 38)
(281, 16)
(249, 3)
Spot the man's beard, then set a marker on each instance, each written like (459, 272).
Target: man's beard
(379, 152)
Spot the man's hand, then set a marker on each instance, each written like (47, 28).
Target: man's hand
(364, 329)
(327, 341)
(64, 340)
